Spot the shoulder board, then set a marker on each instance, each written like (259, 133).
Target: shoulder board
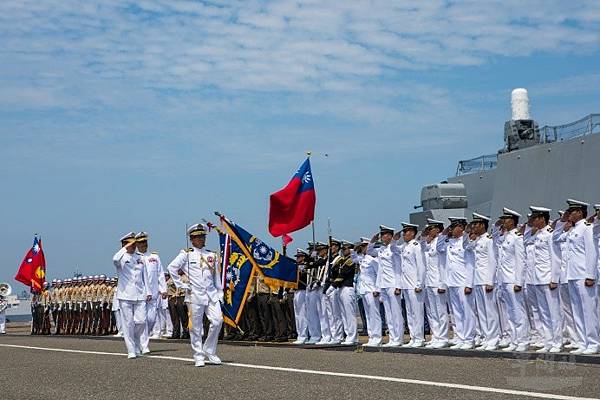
(587, 223)
(189, 250)
(550, 229)
(447, 240)
(349, 262)
(154, 252)
(415, 242)
(518, 234)
(489, 235)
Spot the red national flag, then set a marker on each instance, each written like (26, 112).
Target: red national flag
(293, 207)
(32, 271)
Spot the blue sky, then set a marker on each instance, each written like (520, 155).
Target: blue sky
(148, 115)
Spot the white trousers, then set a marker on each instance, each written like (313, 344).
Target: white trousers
(348, 309)
(393, 314)
(487, 314)
(583, 303)
(335, 316)
(436, 305)
(415, 313)
(536, 329)
(371, 305)
(568, 324)
(165, 325)
(151, 314)
(548, 302)
(463, 308)
(2, 322)
(213, 313)
(324, 304)
(313, 305)
(514, 305)
(300, 314)
(133, 320)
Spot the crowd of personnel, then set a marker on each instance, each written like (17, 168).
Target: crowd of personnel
(530, 283)
(519, 284)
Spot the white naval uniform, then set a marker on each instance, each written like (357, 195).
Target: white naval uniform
(596, 231)
(483, 255)
(536, 334)
(581, 265)
(366, 285)
(132, 290)
(436, 303)
(560, 245)
(388, 279)
(202, 268)
(412, 277)
(458, 276)
(546, 269)
(157, 285)
(511, 264)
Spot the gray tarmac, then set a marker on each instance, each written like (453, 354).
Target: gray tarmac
(247, 373)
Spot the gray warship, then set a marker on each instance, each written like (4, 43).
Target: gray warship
(537, 166)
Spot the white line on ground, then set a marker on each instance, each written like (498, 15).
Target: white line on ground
(330, 373)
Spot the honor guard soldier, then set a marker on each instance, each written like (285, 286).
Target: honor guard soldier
(156, 283)
(483, 256)
(331, 296)
(133, 292)
(412, 283)
(582, 273)
(458, 278)
(388, 284)
(205, 290)
(545, 278)
(436, 297)
(300, 306)
(344, 282)
(511, 278)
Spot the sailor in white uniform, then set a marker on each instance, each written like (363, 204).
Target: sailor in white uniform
(458, 279)
(536, 335)
(582, 271)
(545, 277)
(156, 282)
(132, 294)
(511, 278)
(388, 284)
(436, 297)
(205, 293)
(561, 228)
(412, 284)
(484, 259)
(366, 286)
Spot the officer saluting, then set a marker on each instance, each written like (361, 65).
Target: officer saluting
(582, 275)
(132, 292)
(206, 292)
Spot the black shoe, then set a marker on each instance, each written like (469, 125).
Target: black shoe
(174, 337)
(185, 336)
(281, 339)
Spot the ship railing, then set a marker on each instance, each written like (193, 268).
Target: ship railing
(585, 126)
(477, 164)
